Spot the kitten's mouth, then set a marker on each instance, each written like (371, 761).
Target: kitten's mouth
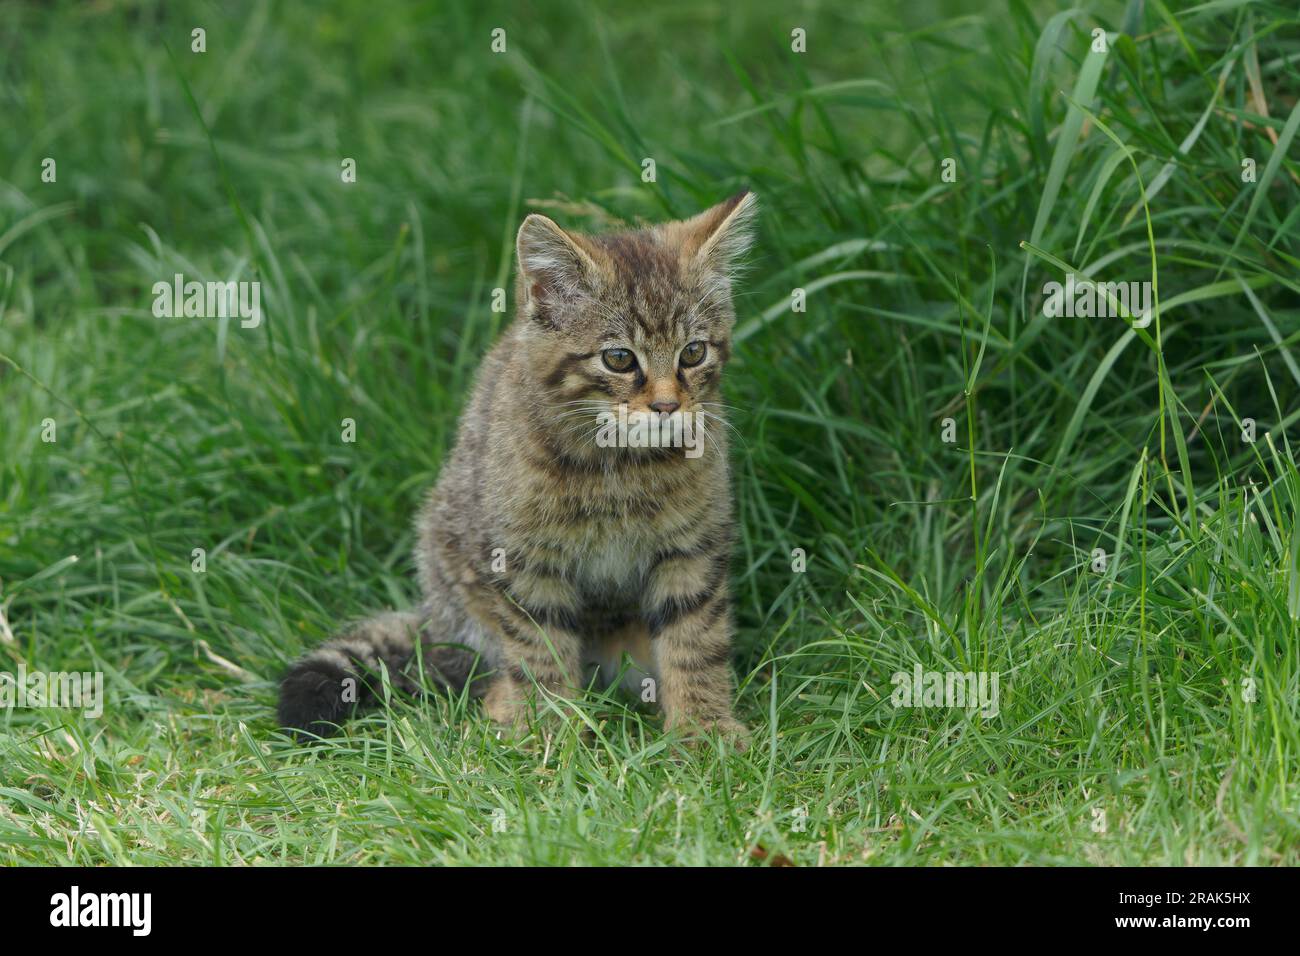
(620, 429)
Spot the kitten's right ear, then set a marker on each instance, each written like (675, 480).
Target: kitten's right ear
(553, 265)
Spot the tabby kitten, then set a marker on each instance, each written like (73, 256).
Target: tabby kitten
(545, 556)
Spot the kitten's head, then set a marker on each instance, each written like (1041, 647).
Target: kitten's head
(641, 318)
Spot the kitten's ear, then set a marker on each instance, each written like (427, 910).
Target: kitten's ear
(554, 266)
(719, 236)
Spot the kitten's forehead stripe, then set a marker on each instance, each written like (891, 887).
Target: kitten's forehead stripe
(635, 314)
(639, 255)
(647, 272)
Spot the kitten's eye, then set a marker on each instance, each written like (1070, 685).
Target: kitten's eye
(618, 360)
(693, 354)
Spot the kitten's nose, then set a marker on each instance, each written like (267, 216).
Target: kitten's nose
(665, 408)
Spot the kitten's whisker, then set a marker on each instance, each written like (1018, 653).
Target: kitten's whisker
(578, 413)
(587, 412)
(717, 448)
(723, 421)
(716, 416)
(587, 405)
(575, 428)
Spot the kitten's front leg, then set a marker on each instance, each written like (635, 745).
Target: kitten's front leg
(540, 642)
(688, 615)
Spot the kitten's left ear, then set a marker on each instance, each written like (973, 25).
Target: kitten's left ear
(554, 265)
(719, 236)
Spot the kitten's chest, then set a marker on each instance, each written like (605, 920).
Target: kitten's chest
(606, 551)
(614, 562)
(607, 528)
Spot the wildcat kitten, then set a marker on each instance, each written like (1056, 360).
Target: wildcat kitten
(543, 556)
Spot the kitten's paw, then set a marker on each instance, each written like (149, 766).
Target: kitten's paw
(506, 715)
(728, 728)
(520, 723)
(734, 732)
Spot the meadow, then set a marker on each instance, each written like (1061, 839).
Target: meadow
(930, 469)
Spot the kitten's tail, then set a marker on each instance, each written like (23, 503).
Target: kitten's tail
(325, 685)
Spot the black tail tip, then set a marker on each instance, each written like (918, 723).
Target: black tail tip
(312, 699)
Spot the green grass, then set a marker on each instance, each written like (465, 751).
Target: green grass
(1121, 692)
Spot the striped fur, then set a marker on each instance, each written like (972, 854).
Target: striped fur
(545, 560)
